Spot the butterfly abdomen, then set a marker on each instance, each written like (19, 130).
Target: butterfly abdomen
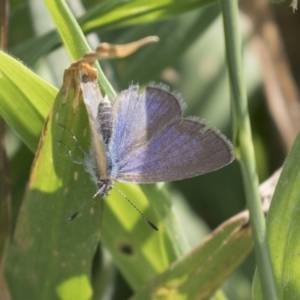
(104, 119)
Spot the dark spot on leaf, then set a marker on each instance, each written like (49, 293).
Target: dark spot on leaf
(126, 249)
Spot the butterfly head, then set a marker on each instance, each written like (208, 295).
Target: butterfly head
(104, 186)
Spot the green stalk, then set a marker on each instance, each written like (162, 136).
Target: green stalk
(244, 147)
(74, 39)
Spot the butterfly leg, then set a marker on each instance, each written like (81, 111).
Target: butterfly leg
(73, 137)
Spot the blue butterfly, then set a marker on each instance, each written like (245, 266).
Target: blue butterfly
(143, 138)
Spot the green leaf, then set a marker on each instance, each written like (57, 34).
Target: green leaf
(107, 14)
(283, 229)
(25, 99)
(114, 14)
(48, 252)
(74, 39)
(199, 273)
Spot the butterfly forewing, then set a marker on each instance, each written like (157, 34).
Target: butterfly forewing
(151, 142)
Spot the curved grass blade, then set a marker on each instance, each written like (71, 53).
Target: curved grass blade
(199, 273)
(125, 13)
(74, 39)
(283, 230)
(25, 100)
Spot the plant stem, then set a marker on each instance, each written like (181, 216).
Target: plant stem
(74, 38)
(244, 147)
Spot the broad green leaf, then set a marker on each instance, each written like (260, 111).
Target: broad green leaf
(49, 254)
(25, 99)
(283, 229)
(199, 273)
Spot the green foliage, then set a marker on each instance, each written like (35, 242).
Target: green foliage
(282, 226)
(50, 258)
(25, 100)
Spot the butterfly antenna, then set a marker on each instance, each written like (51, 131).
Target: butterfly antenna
(73, 137)
(70, 154)
(83, 206)
(143, 216)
